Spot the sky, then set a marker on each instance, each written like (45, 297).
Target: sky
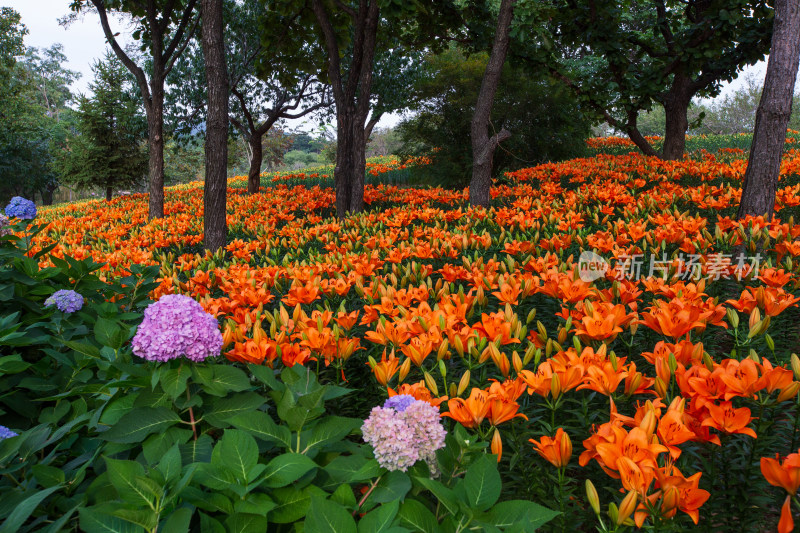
(84, 43)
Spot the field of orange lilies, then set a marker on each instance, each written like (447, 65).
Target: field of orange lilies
(670, 370)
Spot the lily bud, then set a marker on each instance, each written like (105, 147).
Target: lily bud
(497, 445)
(431, 384)
(670, 499)
(516, 362)
(442, 352)
(404, 369)
(796, 366)
(733, 317)
(648, 423)
(592, 496)
(789, 392)
(555, 386)
(708, 362)
(463, 383)
(660, 388)
(459, 346)
(562, 335)
(627, 507)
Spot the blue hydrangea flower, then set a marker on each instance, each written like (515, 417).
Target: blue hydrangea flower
(399, 403)
(65, 300)
(21, 208)
(176, 326)
(6, 433)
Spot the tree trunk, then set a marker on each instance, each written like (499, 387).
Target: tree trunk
(676, 108)
(483, 146)
(109, 192)
(348, 175)
(256, 159)
(764, 163)
(47, 195)
(641, 143)
(155, 145)
(216, 182)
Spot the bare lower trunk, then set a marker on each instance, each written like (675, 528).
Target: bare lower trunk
(676, 107)
(109, 191)
(256, 159)
(47, 196)
(348, 175)
(215, 191)
(155, 145)
(483, 146)
(763, 166)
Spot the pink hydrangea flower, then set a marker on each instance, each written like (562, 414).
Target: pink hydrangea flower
(176, 326)
(403, 432)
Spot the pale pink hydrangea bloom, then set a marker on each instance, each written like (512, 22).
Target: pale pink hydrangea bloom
(403, 432)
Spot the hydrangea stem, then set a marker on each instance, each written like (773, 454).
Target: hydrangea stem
(366, 494)
(191, 414)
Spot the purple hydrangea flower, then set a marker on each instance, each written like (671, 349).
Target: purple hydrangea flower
(21, 208)
(402, 437)
(176, 326)
(399, 403)
(65, 300)
(6, 433)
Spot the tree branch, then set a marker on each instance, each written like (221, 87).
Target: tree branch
(178, 37)
(138, 73)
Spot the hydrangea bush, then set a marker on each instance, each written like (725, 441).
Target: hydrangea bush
(176, 326)
(21, 208)
(403, 431)
(65, 300)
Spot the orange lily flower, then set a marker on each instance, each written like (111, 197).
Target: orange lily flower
(385, 369)
(725, 418)
(604, 380)
(786, 474)
(635, 445)
(470, 412)
(557, 450)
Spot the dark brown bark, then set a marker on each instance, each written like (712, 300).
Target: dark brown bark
(774, 109)
(155, 148)
(676, 106)
(215, 228)
(641, 143)
(351, 166)
(352, 98)
(163, 54)
(256, 158)
(483, 146)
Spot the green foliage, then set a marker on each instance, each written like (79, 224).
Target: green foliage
(34, 93)
(545, 121)
(108, 151)
(297, 159)
(184, 160)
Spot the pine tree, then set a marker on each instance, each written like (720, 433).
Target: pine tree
(109, 149)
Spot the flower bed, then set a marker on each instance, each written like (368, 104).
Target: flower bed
(611, 305)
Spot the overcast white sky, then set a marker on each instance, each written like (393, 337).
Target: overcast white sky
(84, 42)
